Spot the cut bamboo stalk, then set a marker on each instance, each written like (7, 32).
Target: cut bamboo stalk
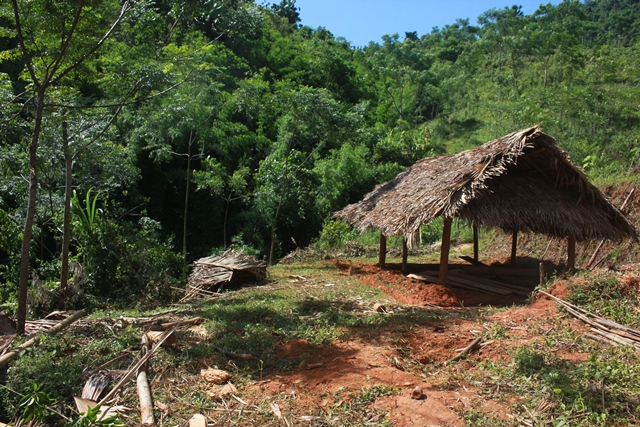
(444, 252)
(616, 338)
(144, 392)
(595, 253)
(601, 339)
(474, 344)
(13, 354)
(133, 370)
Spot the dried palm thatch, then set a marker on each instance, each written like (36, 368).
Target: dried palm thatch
(230, 267)
(520, 182)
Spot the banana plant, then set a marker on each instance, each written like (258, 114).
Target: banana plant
(88, 214)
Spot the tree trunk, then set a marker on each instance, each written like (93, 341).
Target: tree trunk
(31, 212)
(66, 226)
(224, 224)
(186, 202)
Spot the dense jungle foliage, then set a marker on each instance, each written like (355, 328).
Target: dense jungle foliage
(184, 127)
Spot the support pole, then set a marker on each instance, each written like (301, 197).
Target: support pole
(444, 252)
(514, 247)
(571, 253)
(475, 242)
(382, 254)
(405, 254)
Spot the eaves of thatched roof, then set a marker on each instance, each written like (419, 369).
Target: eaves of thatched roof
(521, 182)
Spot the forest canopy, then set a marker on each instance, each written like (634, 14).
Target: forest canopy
(169, 130)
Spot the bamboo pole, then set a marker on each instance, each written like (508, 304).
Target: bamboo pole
(382, 255)
(444, 252)
(13, 354)
(571, 252)
(474, 344)
(475, 241)
(144, 392)
(405, 254)
(595, 253)
(514, 247)
(133, 370)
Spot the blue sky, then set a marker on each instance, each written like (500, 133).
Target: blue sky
(361, 21)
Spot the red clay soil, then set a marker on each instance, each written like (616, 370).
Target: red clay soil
(328, 376)
(322, 382)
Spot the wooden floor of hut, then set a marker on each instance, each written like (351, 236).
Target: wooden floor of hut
(497, 280)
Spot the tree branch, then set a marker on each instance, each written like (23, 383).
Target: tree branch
(125, 8)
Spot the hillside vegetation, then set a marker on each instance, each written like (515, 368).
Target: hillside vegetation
(194, 126)
(139, 136)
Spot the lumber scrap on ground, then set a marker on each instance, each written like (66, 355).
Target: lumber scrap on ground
(230, 267)
(13, 354)
(474, 344)
(144, 392)
(459, 279)
(605, 329)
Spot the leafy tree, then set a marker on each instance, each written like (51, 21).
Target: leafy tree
(51, 50)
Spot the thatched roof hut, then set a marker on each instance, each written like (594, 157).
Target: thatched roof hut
(521, 182)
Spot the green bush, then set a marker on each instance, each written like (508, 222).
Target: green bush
(123, 259)
(334, 234)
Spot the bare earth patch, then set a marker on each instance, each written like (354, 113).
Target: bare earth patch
(328, 376)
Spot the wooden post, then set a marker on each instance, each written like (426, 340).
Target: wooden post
(475, 242)
(382, 255)
(514, 247)
(571, 253)
(444, 252)
(405, 254)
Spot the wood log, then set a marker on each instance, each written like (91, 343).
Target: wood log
(13, 354)
(144, 392)
(474, 344)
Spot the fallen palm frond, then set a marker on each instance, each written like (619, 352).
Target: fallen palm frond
(606, 330)
(230, 267)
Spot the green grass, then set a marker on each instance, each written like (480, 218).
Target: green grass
(314, 302)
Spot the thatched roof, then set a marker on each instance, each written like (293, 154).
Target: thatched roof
(521, 182)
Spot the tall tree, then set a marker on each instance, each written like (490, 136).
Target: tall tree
(54, 40)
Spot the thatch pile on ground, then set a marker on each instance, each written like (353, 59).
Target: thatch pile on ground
(216, 271)
(522, 182)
